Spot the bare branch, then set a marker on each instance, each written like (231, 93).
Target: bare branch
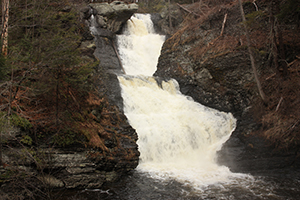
(223, 25)
(259, 87)
(279, 103)
(255, 5)
(191, 12)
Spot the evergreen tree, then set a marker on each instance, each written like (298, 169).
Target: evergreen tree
(44, 40)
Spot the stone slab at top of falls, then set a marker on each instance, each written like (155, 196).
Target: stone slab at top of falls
(112, 16)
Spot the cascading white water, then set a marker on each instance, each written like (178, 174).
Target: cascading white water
(178, 138)
(139, 47)
(93, 25)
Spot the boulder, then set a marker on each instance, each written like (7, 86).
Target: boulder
(114, 15)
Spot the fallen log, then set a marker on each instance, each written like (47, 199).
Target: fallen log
(185, 9)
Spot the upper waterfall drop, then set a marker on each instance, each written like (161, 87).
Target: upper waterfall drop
(139, 47)
(178, 137)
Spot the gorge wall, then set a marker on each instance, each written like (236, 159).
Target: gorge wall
(213, 67)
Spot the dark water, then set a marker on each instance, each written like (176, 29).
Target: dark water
(140, 186)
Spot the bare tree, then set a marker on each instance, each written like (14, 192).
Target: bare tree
(278, 54)
(261, 92)
(4, 34)
(4, 43)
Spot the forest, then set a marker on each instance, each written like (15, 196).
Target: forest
(45, 83)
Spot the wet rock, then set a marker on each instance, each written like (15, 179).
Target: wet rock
(156, 18)
(80, 170)
(103, 9)
(87, 181)
(51, 181)
(88, 45)
(110, 19)
(203, 75)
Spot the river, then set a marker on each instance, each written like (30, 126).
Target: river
(178, 138)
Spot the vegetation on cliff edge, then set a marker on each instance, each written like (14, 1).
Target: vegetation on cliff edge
(49, 90)
(274, 33)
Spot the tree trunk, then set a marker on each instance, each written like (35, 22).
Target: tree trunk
(275, 9)
(1, 162)
(4, 34)
(10, 95)
(4, 43)
(282, 51)
(273, 42)
(57, 99)
(261, 92)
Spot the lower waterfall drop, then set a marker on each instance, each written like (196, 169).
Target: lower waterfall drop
(178, 137)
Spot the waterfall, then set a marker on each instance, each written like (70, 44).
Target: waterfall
(93, 25)
(139, 47)
(178, 137)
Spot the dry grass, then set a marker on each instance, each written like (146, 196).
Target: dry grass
(203, 45)
(281, 119)
(218, 46)
(281, 130)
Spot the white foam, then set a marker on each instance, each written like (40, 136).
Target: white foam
(178, 138)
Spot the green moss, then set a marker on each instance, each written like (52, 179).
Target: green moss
(26, 140)
(65, 138)
(263, 53)
(21, 122)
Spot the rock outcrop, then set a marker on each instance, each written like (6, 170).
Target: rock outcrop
(91, 168)
(113, 16)
(75, 167)
(105, 21)
(215, 71)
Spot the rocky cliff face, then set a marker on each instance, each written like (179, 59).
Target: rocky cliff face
(214, 69)
(105, 20)
(110, 148)
(90, 168)
(93, 167)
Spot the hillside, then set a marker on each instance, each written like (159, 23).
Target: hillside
(208, 55)
(57, 126)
